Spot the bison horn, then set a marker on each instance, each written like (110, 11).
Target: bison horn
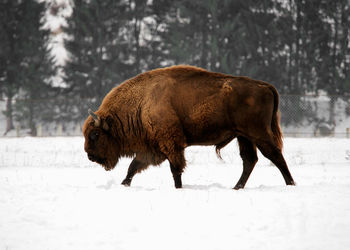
(95, 117)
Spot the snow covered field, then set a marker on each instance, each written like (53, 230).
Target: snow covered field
(52, 197)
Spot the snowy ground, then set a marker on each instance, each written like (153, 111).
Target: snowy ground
(52, 197)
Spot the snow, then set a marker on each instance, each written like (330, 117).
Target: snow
(52, 197)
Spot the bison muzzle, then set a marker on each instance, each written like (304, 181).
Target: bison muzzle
(154, 116)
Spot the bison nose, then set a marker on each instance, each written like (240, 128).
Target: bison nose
(91, 157)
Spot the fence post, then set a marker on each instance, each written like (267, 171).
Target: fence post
(39, 131)
(18, 130)
(59, 129)
(77, 129)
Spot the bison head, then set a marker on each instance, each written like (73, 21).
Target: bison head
(100, 145)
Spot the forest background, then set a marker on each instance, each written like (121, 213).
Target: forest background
(300, 46)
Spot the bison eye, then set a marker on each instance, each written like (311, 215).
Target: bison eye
(93, 135)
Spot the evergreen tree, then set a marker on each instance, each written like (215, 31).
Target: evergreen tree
(27, 66)
(237, 37)
(98, 48)
(10, 14)
(155, 50)
(138, 10)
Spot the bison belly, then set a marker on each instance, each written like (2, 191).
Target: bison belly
(207, 123)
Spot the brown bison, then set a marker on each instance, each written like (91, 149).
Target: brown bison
(157, 114)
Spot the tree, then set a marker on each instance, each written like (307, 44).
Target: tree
(237, 37)
(322, 48)
(26, 65)
(10, 55)
(98, 49)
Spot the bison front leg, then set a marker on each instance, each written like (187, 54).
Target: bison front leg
(176, 175)
(177, 166)
(136, 166)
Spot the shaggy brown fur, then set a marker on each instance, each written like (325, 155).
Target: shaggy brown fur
(157, 114)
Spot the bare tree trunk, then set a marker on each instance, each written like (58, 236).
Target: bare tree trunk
(333, 100)
(334, 68)
(297, 52)
(204, 52)
(32, 124)
(139, 9)
(345, 48)
(9, 120)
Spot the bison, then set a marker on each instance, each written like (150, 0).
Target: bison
(155, 115)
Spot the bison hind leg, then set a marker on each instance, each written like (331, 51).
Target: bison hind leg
(249, 157)
(273, 152)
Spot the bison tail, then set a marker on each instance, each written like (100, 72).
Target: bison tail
(275, 123)
(276, 129)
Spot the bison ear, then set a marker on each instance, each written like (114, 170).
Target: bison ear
(107, 123)
(95, 117)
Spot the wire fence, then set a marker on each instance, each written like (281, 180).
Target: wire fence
(315, 116)
(301, 116)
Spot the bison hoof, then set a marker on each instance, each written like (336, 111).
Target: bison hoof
(292, 183)
(237, 187)
(126, 182)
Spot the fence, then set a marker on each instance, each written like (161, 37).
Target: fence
(310, 115)
(301, 116)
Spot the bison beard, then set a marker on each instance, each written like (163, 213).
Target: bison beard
(157, 114)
